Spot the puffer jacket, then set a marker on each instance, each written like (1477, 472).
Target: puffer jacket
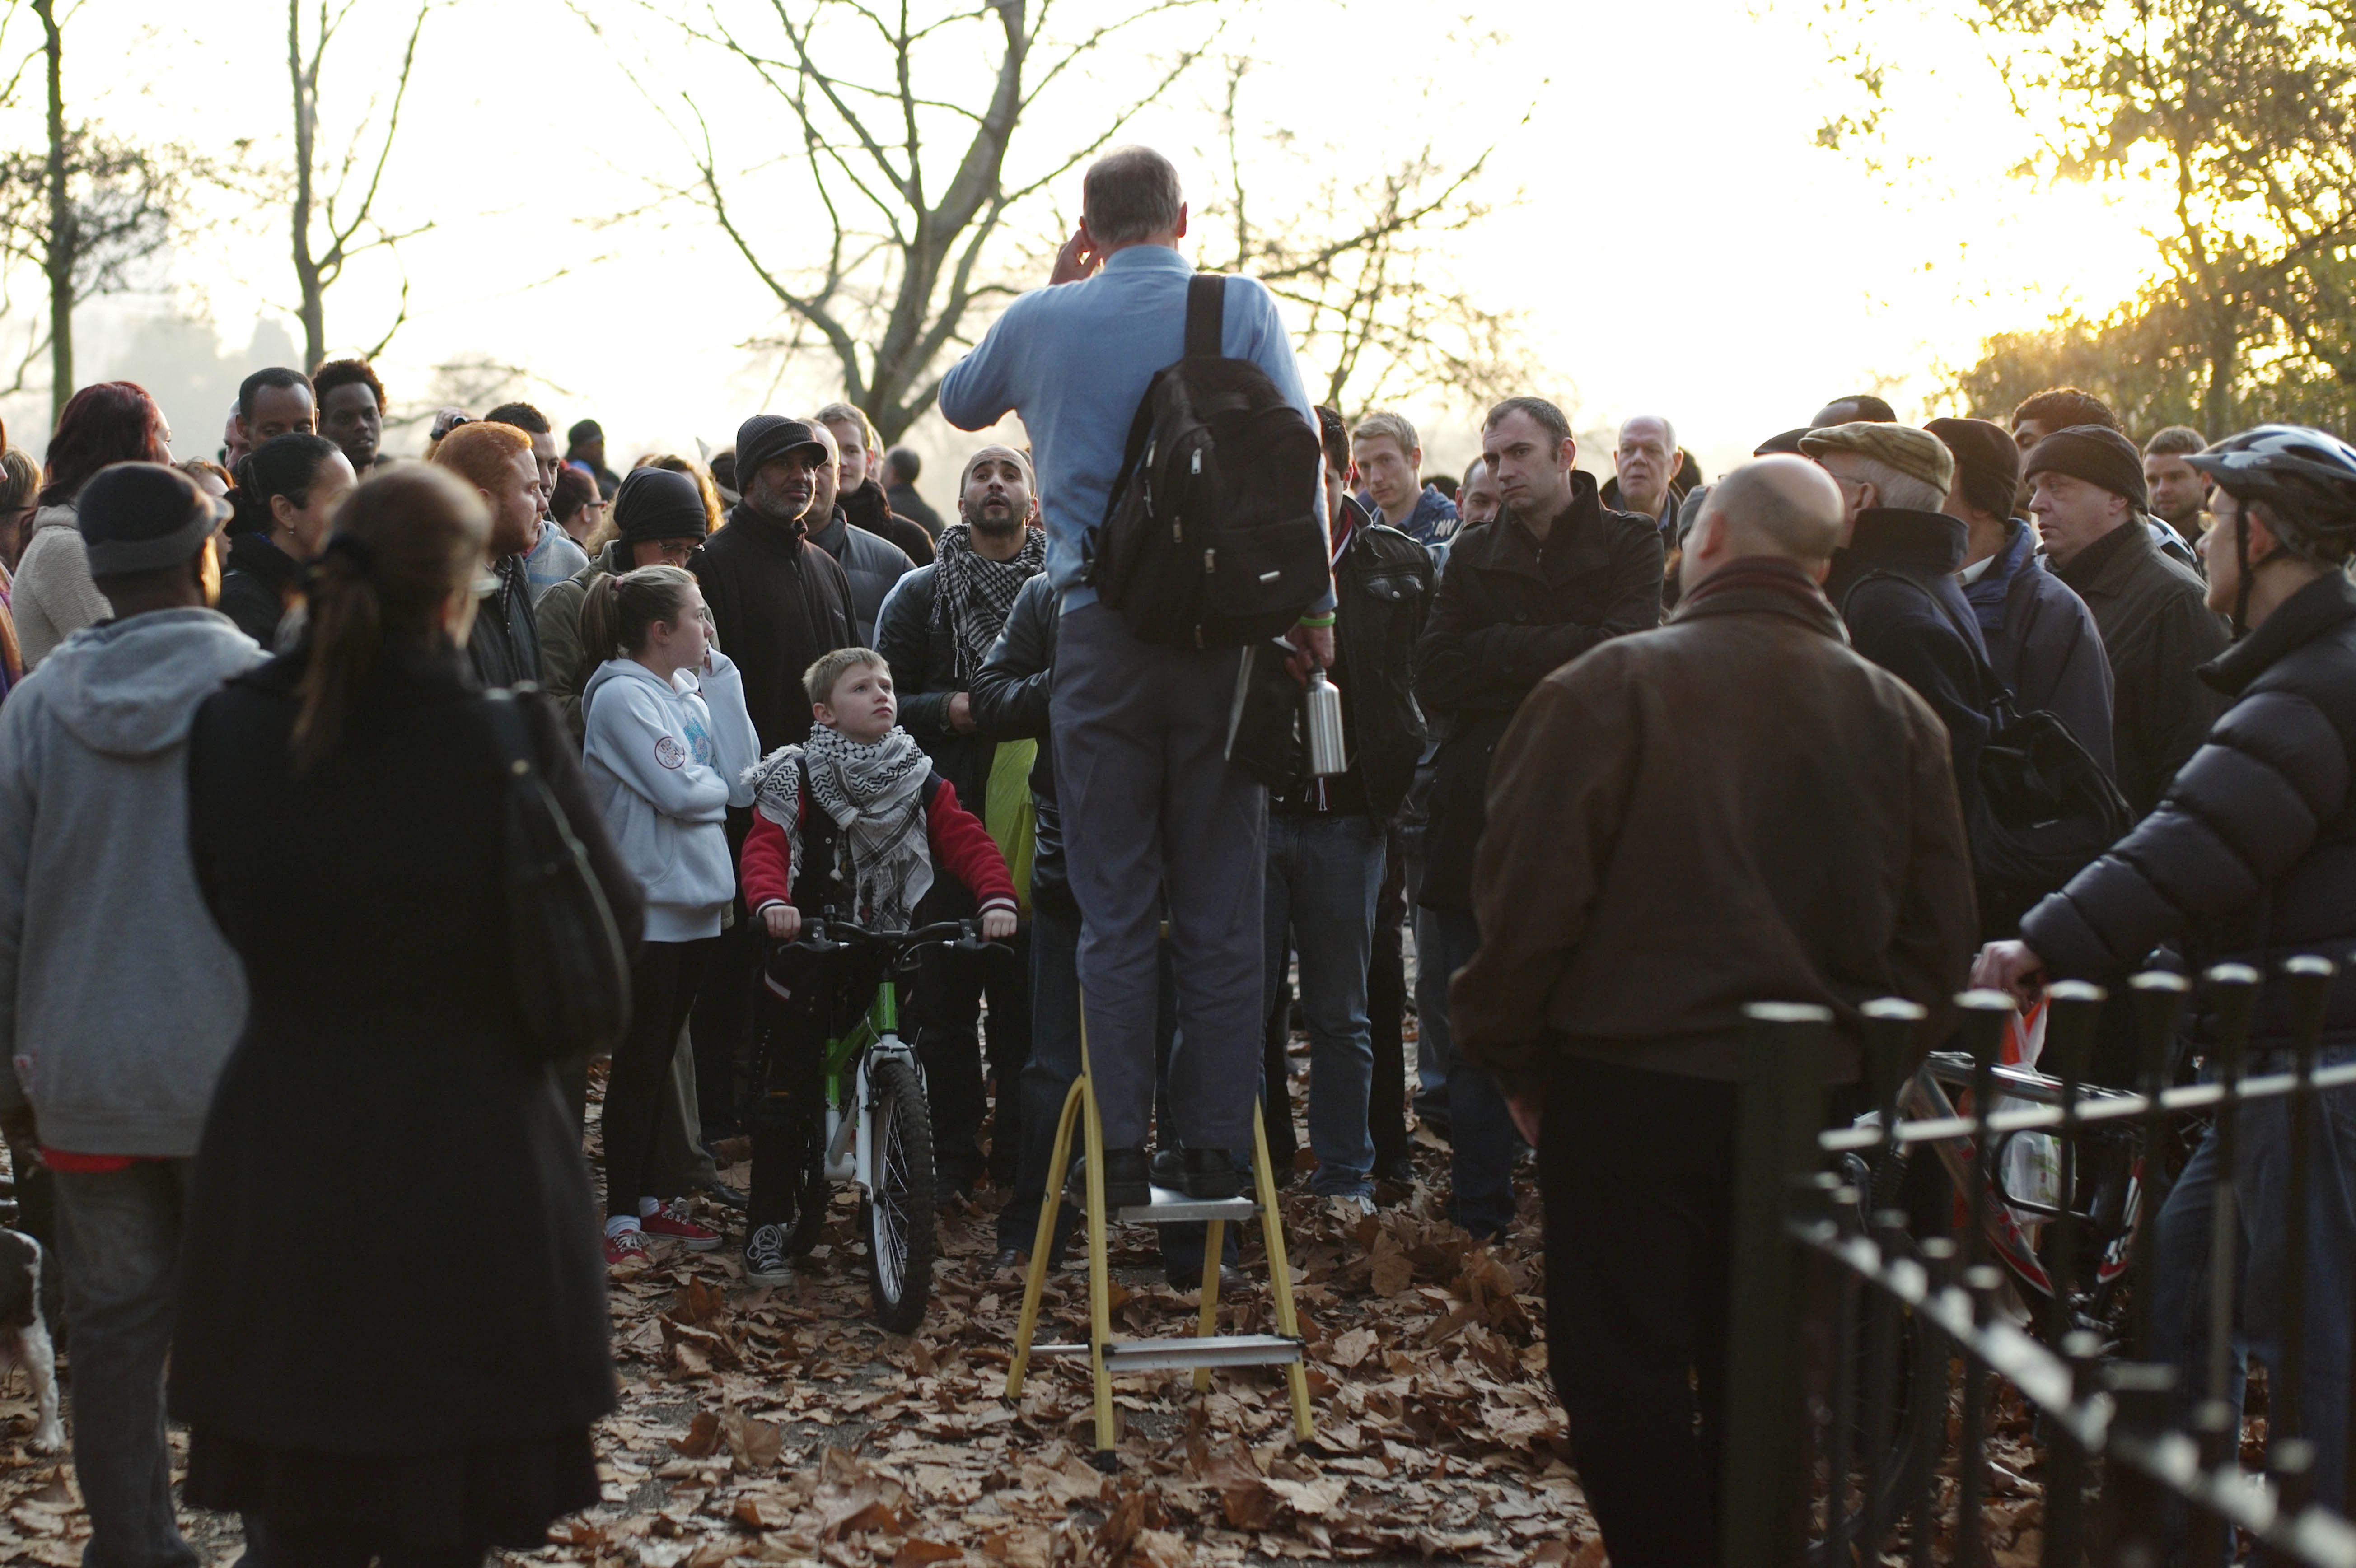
(54, 597)
(2251, 854)
(1509, 612)
(873, 564)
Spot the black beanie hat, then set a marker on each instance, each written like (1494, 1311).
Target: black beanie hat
(2096, 454)
(1986, 460)
(144, 516)
(658, 504)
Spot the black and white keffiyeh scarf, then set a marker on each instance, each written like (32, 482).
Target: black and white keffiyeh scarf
(875, 794)
(974, 595)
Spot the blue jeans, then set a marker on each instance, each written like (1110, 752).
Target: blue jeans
(1323, 875)
(1480, 1139)
(119, 1240)
(1435, 1047)
(2262, 1175)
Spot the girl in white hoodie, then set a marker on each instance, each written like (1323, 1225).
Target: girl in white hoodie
(668, 741)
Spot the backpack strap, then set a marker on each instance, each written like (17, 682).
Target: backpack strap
(1207, 315)
(1206, 306)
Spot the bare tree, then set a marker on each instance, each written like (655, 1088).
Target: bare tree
(1366, 258)
(90, 210)
(333, 205)
(904, 273)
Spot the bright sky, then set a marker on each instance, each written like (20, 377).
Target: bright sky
(1683, 248)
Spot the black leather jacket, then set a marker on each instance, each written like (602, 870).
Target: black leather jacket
(1008, 699)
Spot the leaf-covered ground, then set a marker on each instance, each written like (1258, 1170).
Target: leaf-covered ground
(779, 1425)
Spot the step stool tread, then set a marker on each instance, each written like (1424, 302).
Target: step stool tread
(1207, 1350)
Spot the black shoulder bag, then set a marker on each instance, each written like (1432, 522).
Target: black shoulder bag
(565, 957)
(2046, 808)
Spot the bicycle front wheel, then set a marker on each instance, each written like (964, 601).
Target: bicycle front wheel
(898, 1215)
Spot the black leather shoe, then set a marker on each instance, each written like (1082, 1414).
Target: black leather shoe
(721, 1192)
(1126, 1181)
(1203, 1174)
(1394, 1167)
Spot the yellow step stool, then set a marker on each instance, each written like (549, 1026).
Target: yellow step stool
(1109, 1357)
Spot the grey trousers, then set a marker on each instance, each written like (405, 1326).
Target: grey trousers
(119, 1239)
(1150, 806)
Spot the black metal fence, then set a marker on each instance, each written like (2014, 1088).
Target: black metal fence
(1905, 1348)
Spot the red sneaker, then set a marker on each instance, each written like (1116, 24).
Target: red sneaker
(671, 1220)
(625, 1246)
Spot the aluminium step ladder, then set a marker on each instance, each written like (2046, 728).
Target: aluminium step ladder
(1109, 1357)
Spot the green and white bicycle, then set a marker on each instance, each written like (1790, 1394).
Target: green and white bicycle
(861, 1117)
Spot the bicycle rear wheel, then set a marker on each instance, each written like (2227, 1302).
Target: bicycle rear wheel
(897, 1214)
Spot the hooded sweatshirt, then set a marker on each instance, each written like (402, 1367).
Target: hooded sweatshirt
(54, 597)
(118, 998)
(664, 762)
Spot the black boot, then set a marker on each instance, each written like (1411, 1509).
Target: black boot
(1203, 1174)
(1126, 1181)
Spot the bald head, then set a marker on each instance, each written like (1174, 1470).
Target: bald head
(1778, 506)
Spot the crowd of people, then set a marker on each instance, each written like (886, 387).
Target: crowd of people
(1619, 758)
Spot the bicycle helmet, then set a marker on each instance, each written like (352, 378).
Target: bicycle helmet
(2307, 481)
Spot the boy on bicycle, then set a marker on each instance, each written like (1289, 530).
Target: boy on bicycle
(853, 821)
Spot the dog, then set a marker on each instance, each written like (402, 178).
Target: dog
(27, 1297)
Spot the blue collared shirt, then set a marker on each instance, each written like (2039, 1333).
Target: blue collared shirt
(1074, 360)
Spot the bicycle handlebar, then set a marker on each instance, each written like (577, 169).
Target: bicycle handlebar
(822, 935)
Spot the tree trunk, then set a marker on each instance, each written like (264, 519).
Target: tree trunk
(314, 308)
(2224, 363)
(64, 239)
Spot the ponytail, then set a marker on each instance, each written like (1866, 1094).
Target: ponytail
(347, 632)
(406, 542)
(615, 616)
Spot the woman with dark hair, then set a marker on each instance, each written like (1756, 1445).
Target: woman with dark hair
(107, 421)
(361, 1376)
(287, 492)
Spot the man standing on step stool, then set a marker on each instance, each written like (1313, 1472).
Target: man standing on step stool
(1149, 798)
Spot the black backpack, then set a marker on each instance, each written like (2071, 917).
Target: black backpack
(2046, 808)
(1212, 536)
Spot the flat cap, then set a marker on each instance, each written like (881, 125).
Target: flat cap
(1917, 454)
(765, 437)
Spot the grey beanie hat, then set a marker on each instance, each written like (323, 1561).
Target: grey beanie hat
(144, 516)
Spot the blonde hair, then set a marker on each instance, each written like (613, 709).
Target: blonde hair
(819, 681)
(1389, 424)
(852, 413)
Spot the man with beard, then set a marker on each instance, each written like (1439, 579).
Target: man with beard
(871, 562)
(497, 460)
(777, 602)
(862, 497)
(935, 630)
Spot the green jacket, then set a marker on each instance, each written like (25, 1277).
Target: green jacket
(566, 666)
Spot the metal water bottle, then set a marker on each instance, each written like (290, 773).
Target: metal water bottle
(1320, 723)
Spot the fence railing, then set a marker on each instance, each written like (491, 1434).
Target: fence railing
(1885, 1323)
